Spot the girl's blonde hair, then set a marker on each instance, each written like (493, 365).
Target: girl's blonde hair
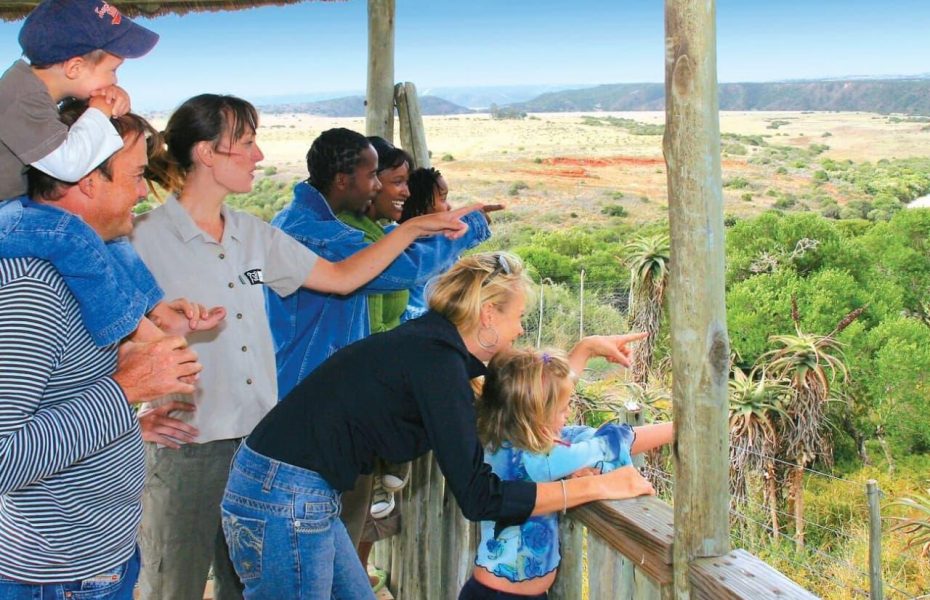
(520, 399)
(459, 293)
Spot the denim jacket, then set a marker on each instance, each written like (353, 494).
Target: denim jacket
(111, 284)
(309, 326)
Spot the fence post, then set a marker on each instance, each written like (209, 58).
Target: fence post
(412, 133)
(875, 541)
(542, 293)
(379, 97)
(581, 308)
(633, 416)
(696, 282)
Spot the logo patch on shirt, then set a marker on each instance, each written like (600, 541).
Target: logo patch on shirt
(253, 277)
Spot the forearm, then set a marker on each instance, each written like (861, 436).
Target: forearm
(579, 355)
(649, 437)
(580, 490)
(349, 274)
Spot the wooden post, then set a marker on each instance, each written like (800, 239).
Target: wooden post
(699, 343)
(875, 541)
(581, 307)
(379, 99)
(412, 133)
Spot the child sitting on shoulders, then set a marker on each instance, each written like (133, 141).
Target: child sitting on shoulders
(522, 410)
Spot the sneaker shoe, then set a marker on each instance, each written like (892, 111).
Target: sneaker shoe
(395, 477)
(382, 501)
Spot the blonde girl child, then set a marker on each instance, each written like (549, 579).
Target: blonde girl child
(522, 411)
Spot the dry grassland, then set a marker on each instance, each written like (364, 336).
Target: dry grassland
(565, 167)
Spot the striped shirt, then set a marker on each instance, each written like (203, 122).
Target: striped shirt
(71, 460)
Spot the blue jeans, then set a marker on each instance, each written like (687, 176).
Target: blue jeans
(284, 534)
(115, 584)
(111, 284)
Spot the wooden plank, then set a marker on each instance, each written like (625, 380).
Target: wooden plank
(412, 132)
(741, 576)
(699, 344)
(570, 580)
(626, 578)
(639, 528)
(433, 525)
(379, 97)
(605, 568)
(414, 553)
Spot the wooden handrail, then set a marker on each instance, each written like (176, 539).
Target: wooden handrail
(640, 529)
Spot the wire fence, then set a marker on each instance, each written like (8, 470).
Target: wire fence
(821, 565)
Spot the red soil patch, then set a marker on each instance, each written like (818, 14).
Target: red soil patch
(571, 173)
(604, 162)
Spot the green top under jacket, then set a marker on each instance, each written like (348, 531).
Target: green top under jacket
(384, 310)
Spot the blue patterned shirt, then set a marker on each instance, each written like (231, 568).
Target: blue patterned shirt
(530, 550)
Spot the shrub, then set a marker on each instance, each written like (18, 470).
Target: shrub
(747, 197)
(737, 183)
(269, 171)
(614, 210)
(448, 157)
(785, 202)
(516, 186)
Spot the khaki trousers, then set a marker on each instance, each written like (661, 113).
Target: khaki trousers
(180, 534)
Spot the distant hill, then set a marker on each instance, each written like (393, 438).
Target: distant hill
(481, 97)
(354, 106)
(907, 96)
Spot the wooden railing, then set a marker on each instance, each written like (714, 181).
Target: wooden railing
(610, 550)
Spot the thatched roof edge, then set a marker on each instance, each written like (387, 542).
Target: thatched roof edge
(12, 10)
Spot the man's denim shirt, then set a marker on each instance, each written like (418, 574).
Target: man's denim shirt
(111, 284)
(309, 326)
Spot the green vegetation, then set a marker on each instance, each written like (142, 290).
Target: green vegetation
(614, 210)
(736, 183)
(264, 201)
(505, 112)
(516, 187)
(632, 127)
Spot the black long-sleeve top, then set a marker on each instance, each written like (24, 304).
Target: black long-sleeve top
(395, 395)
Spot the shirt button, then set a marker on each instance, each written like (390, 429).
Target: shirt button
(238, 315)
(231, 284)
(243, 348)
(222, 256)
(248, 381)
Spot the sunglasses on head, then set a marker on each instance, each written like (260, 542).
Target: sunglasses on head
(502, 266)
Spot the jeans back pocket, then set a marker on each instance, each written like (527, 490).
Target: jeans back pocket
(245, 538)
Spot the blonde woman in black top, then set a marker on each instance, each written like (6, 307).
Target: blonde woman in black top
(280, 511)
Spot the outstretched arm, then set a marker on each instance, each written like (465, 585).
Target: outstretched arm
(612, 347)
(347, 275)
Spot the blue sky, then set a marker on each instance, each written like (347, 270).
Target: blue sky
(321, 46)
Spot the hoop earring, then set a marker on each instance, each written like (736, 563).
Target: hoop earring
(488, 345)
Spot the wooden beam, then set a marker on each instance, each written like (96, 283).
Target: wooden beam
(379, 99)
(699, 343)
(741, 576)
(412, 133)
(639, 528)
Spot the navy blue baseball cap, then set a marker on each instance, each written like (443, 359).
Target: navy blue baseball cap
(57, 30)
